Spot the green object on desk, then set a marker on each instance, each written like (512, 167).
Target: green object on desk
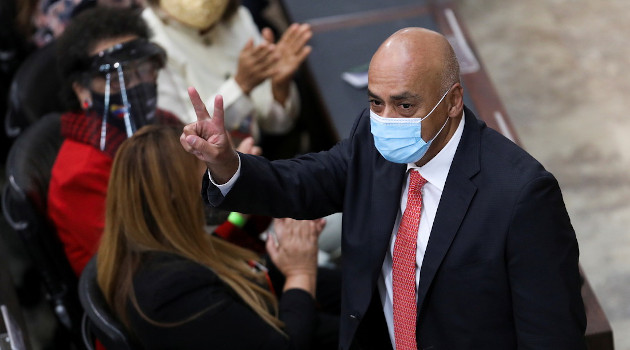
(237, 219)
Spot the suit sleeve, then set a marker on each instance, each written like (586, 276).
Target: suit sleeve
(542, 257)
(307, 187)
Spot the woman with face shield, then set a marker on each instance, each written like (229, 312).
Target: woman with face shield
(121, 84)
(110, 89)
(215, 46)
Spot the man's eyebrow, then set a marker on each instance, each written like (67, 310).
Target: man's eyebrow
(371, 94)
(405, 96)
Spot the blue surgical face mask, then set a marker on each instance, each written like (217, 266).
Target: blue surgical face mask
(399, 140)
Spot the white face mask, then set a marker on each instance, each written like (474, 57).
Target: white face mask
(199, 14)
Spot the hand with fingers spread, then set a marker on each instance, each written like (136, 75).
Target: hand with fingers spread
(208, 140)
(256, 63)
(296, 253)
(291, 50)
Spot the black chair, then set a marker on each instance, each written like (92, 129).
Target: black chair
(99, 321)
(14, 48)
(34, 91)
(24, 201)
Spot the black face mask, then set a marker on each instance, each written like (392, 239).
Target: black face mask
(142, 103)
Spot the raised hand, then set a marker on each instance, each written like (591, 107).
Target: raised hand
(296, 254)
(292, 51)
(208, 140)
(255, 65)
(248, 146)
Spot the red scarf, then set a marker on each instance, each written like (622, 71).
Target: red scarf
(85, 127)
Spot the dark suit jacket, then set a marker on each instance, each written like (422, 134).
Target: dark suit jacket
(501, 267)
(170, 289)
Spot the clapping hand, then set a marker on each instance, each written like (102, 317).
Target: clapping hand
(295, 252)
(291, 52)
(279, 61)
(256, 63)
(248, 146)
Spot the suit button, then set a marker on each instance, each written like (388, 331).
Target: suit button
(356, 316)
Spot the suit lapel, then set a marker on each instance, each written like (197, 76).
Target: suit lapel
(385, 204)
(458, 193)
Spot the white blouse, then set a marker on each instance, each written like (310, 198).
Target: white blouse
(209, 62)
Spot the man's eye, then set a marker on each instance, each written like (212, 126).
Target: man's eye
(375, 102)
(406, 105)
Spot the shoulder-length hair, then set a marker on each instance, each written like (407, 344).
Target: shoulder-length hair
(153, 205)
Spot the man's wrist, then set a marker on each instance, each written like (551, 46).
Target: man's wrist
(224, 171)
(225, 185)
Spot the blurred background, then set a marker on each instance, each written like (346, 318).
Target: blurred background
(559, 67)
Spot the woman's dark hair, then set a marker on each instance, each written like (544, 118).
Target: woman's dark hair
(23, 16)
(83, 34)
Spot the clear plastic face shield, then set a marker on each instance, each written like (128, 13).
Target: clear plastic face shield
(122, 80)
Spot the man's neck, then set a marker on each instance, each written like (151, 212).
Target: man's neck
(438, 144)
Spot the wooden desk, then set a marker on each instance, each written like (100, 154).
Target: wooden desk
(598, 331)
(349, 37)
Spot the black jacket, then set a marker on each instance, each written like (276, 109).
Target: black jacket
(171, 289)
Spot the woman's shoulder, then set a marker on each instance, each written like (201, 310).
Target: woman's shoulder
(168, 286)
(161, 269)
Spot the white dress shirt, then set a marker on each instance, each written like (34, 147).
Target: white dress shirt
(435, 172)
(209, 62)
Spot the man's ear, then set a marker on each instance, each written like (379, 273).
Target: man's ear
(83, 94)
(456, 101)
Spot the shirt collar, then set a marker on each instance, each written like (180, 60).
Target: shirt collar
(436, 170)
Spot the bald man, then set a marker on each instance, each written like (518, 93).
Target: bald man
(453, 236)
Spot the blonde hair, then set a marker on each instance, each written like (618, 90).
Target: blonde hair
(153, 205)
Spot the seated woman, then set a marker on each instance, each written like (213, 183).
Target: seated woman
(175, 286)
(110, 70)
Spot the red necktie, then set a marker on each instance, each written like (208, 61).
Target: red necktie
(404, 267)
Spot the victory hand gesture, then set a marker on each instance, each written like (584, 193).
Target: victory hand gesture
(208, 140)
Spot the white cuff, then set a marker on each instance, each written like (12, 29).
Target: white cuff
(226, 187)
